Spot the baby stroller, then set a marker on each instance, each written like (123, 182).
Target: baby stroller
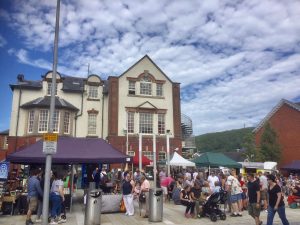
(211, 207)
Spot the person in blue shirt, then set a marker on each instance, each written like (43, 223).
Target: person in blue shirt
(34, 191)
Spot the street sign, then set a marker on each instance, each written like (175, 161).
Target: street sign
(50, 143)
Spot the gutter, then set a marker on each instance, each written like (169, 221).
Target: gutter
(102, 119)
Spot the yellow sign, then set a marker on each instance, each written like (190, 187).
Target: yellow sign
(50, 137)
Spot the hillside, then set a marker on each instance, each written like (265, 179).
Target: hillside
(225, 141)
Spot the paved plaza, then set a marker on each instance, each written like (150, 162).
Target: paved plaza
(173, 214)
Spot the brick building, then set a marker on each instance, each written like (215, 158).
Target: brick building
(285, 120)
(143, 100)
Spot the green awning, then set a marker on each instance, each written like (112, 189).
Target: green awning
(215, 160)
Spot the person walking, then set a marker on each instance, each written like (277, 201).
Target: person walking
(127, 190)
(145, 186)
(263, 189)
(56, 197)
(34, 190)
(276, 203)
(254, 198)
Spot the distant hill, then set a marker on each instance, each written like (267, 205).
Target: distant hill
(226, 141)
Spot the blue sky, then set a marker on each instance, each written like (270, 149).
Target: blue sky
(234, 59)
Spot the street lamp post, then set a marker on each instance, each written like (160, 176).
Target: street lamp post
(45, 211)
(140, 151)
(168, 151)
(154, 159)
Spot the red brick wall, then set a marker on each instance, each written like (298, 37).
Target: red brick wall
(286, 122)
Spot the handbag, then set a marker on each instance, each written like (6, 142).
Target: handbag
(122, 206)
(142, 197)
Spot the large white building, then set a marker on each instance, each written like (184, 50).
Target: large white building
(144, 96)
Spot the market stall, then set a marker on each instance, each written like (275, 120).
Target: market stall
(72, 151)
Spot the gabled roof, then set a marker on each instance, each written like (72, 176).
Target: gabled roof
(146, 56)
(44, 102)
(295, 106)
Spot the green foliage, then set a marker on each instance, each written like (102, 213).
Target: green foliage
(226, 141)
(269, 147)
(250, 148)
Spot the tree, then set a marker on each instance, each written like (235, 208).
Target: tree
(250, 148)
(269, 147)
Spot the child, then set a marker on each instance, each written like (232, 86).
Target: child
(137, 190)
(217, 187)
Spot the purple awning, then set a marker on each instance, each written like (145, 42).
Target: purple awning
(72, 151)
(295, 165)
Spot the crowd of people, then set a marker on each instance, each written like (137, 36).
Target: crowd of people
(59, 181)
(253, 192)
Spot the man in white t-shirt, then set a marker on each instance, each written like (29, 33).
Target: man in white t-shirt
(212, 179)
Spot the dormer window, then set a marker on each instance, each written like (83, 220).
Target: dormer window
(49, 89)
(93, 92)
(131, 88)
(146, 85)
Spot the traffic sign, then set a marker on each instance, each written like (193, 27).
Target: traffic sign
(50, 143)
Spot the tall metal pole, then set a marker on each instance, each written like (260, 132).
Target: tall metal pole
(168, 153)
(154, 159)
(126, 167)
(140, 152)
(52, 108)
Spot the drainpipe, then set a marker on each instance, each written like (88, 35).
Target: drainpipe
(18, 117)
(102, 111)
(80, 112)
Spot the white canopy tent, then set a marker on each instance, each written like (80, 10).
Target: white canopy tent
(178, 160)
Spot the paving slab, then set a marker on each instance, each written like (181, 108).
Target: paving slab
(172, 215)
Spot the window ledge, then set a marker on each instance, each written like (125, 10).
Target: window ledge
(146, 96)
(93, 99)
(92, 136)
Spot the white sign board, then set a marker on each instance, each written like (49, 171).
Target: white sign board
(50, 143)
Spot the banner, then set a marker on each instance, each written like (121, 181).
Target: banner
(4, 168)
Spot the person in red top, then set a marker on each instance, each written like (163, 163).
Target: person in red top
(244, 193)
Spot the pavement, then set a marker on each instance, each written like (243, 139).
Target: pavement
(172, 215)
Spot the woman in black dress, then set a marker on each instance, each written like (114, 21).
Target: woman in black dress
(276, 203)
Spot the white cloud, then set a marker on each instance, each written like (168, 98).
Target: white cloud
(2, 41)
(234, 59)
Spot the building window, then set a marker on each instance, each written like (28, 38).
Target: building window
(43, 121)
(30, 121)
(67, 123)
(146, 86)
(148, 154)
(131, 88)
(131, 153)
(92, 123)
(162, 156)
(130, 124)
(50, 88)
(161, 124)
(159, 90)
(56, 121)
(93, 92)
(146, 123)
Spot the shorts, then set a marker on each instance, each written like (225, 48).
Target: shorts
(244, 196)
(263, 195)
(236, 198)
(32, 203)
(165, 190)
(253, 210)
